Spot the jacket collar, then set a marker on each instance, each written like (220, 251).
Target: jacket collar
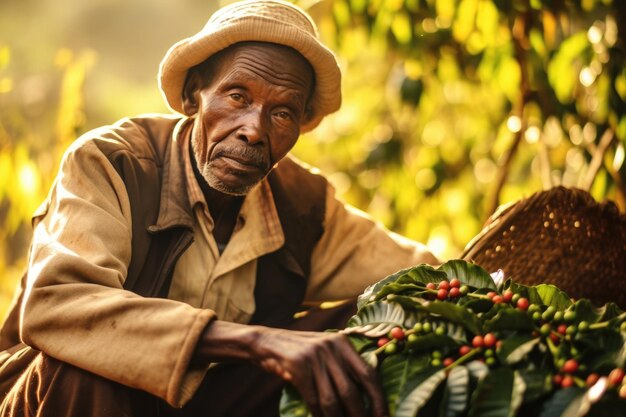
(174, 209)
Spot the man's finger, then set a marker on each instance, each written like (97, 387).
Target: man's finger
(347, 391)
(330, 401)
(367, 377)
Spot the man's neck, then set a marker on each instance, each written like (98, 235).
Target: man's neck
(223, 208)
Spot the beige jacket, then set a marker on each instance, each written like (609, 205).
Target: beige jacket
(76, 309)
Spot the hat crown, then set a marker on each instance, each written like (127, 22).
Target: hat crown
(280, 12)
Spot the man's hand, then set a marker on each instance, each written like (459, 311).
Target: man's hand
(323, 367)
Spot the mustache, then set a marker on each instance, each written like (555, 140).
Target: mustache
(251, 156)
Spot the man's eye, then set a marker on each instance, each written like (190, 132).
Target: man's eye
(237, 97)
(284, 115)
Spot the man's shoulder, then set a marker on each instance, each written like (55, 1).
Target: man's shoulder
(145, 136)
(292, 166)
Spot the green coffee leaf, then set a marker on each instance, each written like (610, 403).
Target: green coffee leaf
(375, 319)
(497, 395)
(455, 314)
(562, 399)
(469, 274)
(400, 370)
(420, 394)
(510, 319)
(515, 348)
(456, 395)
(552, 296)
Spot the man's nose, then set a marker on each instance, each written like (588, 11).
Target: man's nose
(253, 127)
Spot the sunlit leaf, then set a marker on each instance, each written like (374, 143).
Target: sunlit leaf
(412, 402)
(464, 22)
(376, 319)
(467, 273)
(456, 395)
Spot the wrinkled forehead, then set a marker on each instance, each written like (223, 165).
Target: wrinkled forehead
(276, 64)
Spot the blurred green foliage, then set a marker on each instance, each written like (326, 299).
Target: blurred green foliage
(451, 107)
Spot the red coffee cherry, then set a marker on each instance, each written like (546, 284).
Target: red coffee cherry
(454, 292)
(464, 350)
(489, 340)
(397, 333)
(567, 381)
(431, 286)
(442, 294)
(523, 303)
(478, 341)
(570, 366)
(455, 283)
(592, 379)
(507, 296)
(444, 285)
(382, 341)
(616, 376)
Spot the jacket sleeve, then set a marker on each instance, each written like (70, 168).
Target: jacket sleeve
(355, 251)
(75, 308)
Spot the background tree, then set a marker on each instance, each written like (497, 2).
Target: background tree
(451, 107)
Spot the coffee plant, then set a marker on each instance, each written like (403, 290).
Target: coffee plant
(456, 341)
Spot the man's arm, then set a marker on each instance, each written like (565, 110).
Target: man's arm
(75, 308)
(356, 251)
(323, 367)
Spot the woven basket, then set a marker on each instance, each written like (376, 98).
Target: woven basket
(561, 236)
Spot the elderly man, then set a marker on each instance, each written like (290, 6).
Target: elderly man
(173, 251)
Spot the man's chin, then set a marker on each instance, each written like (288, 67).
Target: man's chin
(230, 187)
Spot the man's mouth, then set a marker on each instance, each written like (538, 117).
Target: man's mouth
(243, 162)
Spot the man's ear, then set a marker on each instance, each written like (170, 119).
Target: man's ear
(191, 92)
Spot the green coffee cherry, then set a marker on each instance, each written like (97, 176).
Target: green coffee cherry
(549, 313)
(558, 316)
(391, 348)
(569, 316)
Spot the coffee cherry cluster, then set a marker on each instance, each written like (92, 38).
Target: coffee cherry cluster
(445, 289)
(389, 344)
(397, 338)
(482, 348)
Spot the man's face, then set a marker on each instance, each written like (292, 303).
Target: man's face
(249, 115)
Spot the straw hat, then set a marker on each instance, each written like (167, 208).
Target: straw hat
(560, 236)
(263, 21)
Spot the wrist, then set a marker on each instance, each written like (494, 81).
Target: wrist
(225, 341)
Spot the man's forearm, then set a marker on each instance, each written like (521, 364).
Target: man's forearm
(323, 366)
